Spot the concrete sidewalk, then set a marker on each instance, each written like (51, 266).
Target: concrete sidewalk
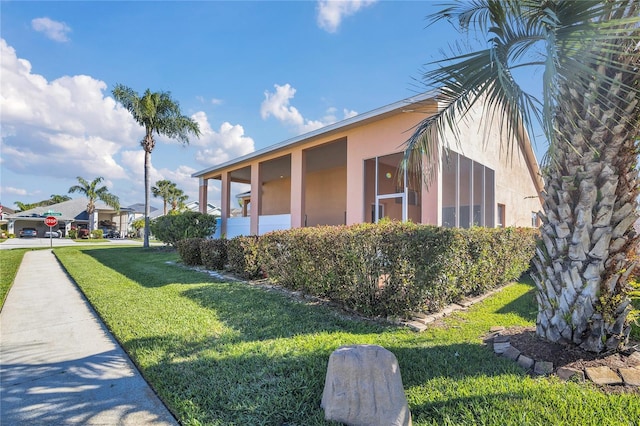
(58, 363)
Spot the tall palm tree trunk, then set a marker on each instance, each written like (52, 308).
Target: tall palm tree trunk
(147, 196)
(591, 202)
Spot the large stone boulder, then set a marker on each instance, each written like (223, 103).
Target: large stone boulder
(363, 387)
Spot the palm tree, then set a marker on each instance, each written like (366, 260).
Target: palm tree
(93, 193)
(177, 200)
(163, 190)
(170, 194)
(55, 199)
(159, 114)
(589, 52)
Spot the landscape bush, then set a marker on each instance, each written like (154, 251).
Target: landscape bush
(214, 253)
(189, 251)
(172, 228)
(97, 234)
(384, 269)
(243, 257)
(391, 268)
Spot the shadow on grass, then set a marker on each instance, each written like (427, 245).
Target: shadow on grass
(148, 267)
(220, 383)
(524, 306)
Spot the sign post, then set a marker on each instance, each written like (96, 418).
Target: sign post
(51, 221)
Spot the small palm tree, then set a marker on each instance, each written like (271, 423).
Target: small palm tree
(163, 189)
(590, 112)
(93, 193)
(159, 114)
(170, 194)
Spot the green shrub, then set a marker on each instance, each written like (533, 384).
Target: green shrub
(97, 234)
(189, 251)
(243, 258)
(73, 234)
(172, 228)
(214, 253)
(391, 267)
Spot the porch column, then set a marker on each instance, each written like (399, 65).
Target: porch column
(256, 198)
(202, 195)
(225, 208)
(297, 189)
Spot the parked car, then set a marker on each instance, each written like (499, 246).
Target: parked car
(83, 233)
(28, 232)
(111, 234)
(52, 234)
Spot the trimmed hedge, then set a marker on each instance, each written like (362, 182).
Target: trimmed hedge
(214, 253)
(388, 268)
(189, 251)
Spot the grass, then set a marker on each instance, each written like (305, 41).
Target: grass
(9, 264)
(233, 354)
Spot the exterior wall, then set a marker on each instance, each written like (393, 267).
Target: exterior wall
(514, 181)
(383, 137)
(326, 197)
(342, 189)
(276, 197)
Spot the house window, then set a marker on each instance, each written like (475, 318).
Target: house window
(468, 192)
(501, 216)
(535, 220)
(391, 192)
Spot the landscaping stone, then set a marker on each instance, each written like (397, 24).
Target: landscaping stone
(501, 339)
(635, 357)
(511, 353)
(416, 325)
(568, 373)
(363, 387)
(543, 368)
(603, 376)
(496, 329)
(525, 362)
(500, 347)
(630, 376)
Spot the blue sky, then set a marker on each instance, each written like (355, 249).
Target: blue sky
(251, 73)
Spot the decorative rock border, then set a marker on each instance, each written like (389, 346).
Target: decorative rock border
(601, 375)
(419, 321)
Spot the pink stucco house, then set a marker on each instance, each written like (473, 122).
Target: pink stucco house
(347, 173)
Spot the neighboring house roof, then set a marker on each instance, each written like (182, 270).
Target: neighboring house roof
(139, 208)
(75, 209)
(340, 125)
(194, 206)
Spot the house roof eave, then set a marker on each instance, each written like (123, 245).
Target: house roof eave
(340, 125)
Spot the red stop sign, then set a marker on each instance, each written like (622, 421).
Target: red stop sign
(51, 221)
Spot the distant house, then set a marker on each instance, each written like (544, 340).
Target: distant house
(73, 214)
(348, 173)
(193, 206)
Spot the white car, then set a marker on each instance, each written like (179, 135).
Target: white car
(52, 234)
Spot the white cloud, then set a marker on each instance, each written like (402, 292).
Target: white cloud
(277, 104)
(56, 31)
(219, 146)
(14, 191)
(331, 12)
(50, 127)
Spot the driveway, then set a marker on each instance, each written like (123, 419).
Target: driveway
(13, 243)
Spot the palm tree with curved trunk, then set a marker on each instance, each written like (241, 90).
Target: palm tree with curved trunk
(589, 52)
(159, 114)
(93, 192)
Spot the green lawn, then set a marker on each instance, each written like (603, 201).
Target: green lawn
(232, 354)
(9, 263)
